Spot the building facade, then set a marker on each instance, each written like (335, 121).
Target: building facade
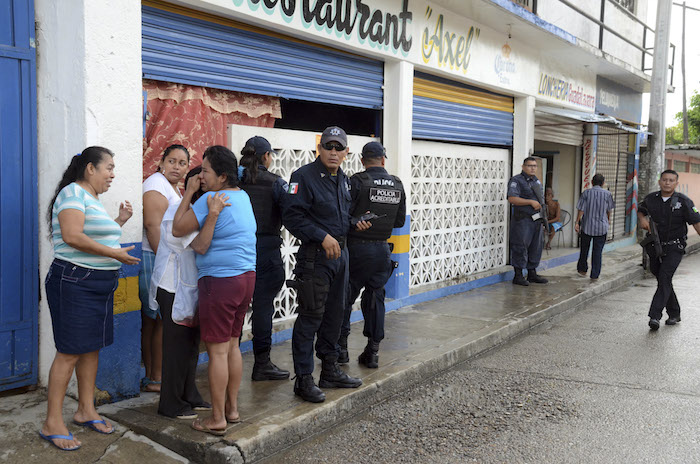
(459, 92)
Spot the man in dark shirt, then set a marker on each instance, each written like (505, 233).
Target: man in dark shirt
(380, 193)
(317, 212)
(526, 227)
(671, 211)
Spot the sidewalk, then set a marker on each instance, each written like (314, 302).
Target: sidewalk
(422, 339)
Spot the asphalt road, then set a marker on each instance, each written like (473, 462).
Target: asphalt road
(593, 385)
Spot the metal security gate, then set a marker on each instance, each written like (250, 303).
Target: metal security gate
(18, 196)
(557, 129)
(611, 162)
(189, 47)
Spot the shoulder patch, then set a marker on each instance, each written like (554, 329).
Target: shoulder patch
(695, 209)
(293, 188)
(513, 184)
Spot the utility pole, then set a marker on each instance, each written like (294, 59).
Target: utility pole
(651, 160)
(685, 104)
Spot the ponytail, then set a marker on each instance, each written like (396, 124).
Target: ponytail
(250, 162)
(76, 172)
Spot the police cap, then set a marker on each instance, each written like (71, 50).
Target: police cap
(260, 145)
(373, 150)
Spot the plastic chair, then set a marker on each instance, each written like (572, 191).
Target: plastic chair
(565, 220)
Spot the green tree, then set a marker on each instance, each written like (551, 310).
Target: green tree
(674, 134)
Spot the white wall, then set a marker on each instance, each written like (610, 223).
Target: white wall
(88, 93)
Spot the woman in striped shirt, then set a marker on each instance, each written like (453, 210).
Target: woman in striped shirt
(80, 288)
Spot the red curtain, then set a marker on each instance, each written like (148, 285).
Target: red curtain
(198, 117)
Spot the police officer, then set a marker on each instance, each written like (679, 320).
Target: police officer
(318, 214)
(671, 211)
(267, 192)
(526, 196)
(377, 192)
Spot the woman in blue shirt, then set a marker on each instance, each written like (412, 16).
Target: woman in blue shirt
(226, 277)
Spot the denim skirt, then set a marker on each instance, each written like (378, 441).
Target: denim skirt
(81, 303)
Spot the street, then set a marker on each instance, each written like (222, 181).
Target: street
(591, 385)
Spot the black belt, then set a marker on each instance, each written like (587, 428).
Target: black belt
(362, 240)
(341, 241)
(672, 242)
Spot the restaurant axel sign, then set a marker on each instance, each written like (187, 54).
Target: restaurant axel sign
(452, 49)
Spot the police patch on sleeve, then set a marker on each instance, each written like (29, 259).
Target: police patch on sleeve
(513, 184)
(293, 188)
(695, 209)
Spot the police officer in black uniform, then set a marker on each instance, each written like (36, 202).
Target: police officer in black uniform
(267, 192)
(671, 211)
(318, 214)
(525, 193)
(375, 191)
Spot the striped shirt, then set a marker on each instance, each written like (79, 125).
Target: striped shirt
(98, 226)
(595, 203)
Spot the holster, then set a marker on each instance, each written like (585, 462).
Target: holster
(312, 291)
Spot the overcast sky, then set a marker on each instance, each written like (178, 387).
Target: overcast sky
(674, 101)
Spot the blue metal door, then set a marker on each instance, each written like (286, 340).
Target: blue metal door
(18, 196)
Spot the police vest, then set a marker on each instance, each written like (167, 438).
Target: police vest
(267, 213)
(382, 200)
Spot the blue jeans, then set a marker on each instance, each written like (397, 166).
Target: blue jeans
(596, 255)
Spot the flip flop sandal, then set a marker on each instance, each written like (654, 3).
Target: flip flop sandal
(197, 425)
(234, 421)
(51, 438)
(91, 424)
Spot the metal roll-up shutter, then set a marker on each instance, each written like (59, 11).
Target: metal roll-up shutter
(189, 50)
(453, 112)
(611, 162)
(558, 130)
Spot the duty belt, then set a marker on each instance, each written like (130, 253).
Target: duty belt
(341, 241)
(362, 240)
(672, 242)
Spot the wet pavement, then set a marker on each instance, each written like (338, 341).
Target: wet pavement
(422, 341)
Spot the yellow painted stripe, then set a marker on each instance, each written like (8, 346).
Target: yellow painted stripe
(454, 94)
(190, 13)
(126, 297)
(402, 243)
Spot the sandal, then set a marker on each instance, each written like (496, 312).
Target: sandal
(51, 438)
(200, 427)
(146, 382)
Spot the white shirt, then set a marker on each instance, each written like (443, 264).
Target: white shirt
(160, 184)
(175, 271)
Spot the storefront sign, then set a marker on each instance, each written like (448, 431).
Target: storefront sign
(450, 49)
(618, 101)
(565, 91)
(504, 67)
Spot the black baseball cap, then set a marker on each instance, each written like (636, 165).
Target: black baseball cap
(260, 145)
(334, 134)
(373, 150)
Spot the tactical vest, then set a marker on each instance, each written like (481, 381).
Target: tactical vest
(380, 200)
(267, 213)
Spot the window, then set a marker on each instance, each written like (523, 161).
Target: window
(680, 166)
(628, 5)
(695, 168)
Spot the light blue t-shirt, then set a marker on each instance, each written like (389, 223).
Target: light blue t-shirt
(98, 225)
(232, 249)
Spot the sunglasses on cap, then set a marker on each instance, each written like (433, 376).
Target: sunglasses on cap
(333, 146)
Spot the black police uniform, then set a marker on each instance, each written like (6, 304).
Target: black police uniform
(671, 217)
(377, 191)
(267, 195)
(525, 234)
(319, 204)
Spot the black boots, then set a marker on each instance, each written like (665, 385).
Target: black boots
(264, 369)
(333, 377)
(307, 389)
(369, 356)
(534, 278)
(518, 279)
(343, 356)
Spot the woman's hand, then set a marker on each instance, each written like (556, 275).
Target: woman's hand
(216, 203)
(125, 212)
(193, 184)
(122, 255)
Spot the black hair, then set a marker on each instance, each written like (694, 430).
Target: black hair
(194, 172)
(529, 158)
(76, 171)
(250, 161)
(223, 162)
(175, 147)
(669, 171)
(598, 179)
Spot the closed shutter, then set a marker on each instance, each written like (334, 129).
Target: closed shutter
(453, 112)
(611, 162)
(558, 130)
(189, 50)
